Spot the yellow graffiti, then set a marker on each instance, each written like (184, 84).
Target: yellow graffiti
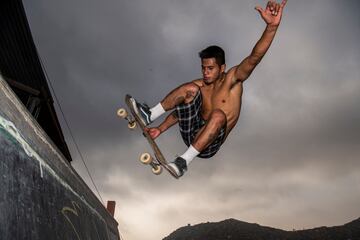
(74, 211)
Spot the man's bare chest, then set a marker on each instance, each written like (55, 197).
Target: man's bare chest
(212, 99)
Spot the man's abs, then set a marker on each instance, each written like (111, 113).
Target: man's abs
(227, 101)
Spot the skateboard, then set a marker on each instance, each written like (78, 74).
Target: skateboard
(158, 162)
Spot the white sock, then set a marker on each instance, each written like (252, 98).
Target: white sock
(190, 154)
(156, 111)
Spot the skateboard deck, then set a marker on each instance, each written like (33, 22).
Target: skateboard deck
(158, 162)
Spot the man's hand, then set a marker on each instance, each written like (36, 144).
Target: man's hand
(273, 12)
(153, 132)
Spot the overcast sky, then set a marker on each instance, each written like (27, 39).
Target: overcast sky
(291, 162)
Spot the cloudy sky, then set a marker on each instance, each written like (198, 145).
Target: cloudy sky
(291, 162)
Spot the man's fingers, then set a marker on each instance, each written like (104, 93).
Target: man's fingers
(273, 7)
(268, 6)
(149, 130)
(259, 9)
(281, 6)
(277, 9)
(283, 3)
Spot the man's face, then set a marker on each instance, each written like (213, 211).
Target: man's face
(211, 71)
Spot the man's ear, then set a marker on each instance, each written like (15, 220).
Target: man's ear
(222, 68)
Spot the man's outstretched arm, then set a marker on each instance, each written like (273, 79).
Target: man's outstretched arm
(166, 124)
(272, 17)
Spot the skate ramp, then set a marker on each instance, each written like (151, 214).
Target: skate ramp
(41, 195)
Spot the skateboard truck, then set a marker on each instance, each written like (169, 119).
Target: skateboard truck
(145, 158)
(124, 114)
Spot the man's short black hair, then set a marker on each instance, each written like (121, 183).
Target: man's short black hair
(213, 52)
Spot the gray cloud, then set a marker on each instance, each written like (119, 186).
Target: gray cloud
(291, 162)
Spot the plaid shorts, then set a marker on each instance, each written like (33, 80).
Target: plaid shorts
(191, 121)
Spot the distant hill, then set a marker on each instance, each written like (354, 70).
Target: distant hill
(232, 229)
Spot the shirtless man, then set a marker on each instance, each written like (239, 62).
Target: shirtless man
(207, 109)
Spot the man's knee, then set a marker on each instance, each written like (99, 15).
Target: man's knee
(190, 91)
(218, 117)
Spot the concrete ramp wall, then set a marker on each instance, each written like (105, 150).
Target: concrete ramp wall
(41, 196)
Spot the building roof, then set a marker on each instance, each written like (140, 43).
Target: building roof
(21, 67)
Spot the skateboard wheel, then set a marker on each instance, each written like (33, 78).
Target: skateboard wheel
(122, 113)
(157, 170)
(132, 125)
(146, 158)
